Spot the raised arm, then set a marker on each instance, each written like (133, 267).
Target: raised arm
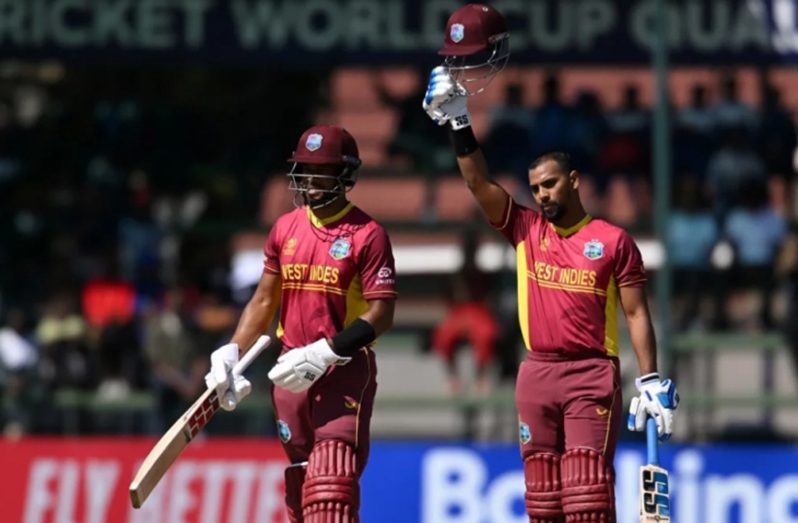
(447, 104)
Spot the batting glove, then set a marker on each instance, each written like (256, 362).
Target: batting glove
(446, 101)
(299, 368)
(230, 387)
(657, 399)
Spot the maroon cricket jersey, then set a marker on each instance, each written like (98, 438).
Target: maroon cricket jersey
(568, 280)
(329, 269)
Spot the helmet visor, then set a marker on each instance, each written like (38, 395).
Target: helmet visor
(475, 71)
(319, 185)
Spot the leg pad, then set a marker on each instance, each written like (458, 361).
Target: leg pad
(542, 474)
(331, 493)
(588, 491)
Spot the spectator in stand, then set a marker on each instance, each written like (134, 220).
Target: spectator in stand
(61, 334)
(693, 136)
(17, 368)
(776, 135)
(732, 169)
(178, 368)
(415, 136)
(588, 132)
(625, 150)
(469, 320)
(552, 120)
(697, 116)
(729, 112)
(510, 132)
(757, 232)
(692, 234)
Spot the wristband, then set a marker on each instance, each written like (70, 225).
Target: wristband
(357, 334)
(464, 141)
(652, 377)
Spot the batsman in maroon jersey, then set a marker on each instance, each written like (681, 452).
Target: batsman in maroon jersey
(330, 269)
(573, 270)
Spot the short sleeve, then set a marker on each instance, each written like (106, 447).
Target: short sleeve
(515, 223)
(377, 267)
(629, 270)
(271, 253)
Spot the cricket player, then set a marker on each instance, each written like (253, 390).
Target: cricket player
(573, 270)
(330, 270)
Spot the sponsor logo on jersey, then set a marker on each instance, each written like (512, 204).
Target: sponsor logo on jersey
(601, 411)
(313, 143)
(290, 247)
(524, 434)
(350, 403)
(384, 272)
(340, 249)
(283, 431)
(593, 250)
(457, 32)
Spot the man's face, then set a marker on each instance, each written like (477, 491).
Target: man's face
(551, 188)
(319, 187)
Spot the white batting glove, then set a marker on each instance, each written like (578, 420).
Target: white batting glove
(657, 399)
(299, 368)
(230, 388)
(446, 101)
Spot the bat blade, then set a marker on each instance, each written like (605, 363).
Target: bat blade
(655, 502)
(654, 495)
(180, 434)
(171, 444)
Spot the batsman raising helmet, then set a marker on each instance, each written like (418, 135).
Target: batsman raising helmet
(329, 268)
(573, 270)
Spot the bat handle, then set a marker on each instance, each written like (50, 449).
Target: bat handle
(249, 356)
(652, 445)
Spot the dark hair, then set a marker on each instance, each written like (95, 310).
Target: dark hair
(563, 161)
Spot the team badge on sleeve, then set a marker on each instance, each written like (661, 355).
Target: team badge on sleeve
(340, 248)
(457, 32)
(283, 431)
(313, 143)
(593, 250)
(524, 434)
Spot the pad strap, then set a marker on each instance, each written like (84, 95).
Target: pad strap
(294, 478)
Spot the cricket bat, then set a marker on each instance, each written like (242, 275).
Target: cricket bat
(180, 434)
(655, 505)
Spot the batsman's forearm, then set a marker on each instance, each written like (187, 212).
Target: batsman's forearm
(255, 319)
(641, 333)
(474, 170)
(489, 195)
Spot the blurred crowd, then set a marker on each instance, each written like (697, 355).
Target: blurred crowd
(119, 190)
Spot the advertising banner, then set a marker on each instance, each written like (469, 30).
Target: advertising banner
(398, 32)
(86, 481)
(49, 480)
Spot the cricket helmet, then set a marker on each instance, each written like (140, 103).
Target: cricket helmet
(324, 145)
(476, 46)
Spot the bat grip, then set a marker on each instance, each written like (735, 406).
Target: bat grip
(652, 445)
(249, 356)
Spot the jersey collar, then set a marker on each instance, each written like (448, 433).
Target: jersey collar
(573, 228)
(321, 222)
